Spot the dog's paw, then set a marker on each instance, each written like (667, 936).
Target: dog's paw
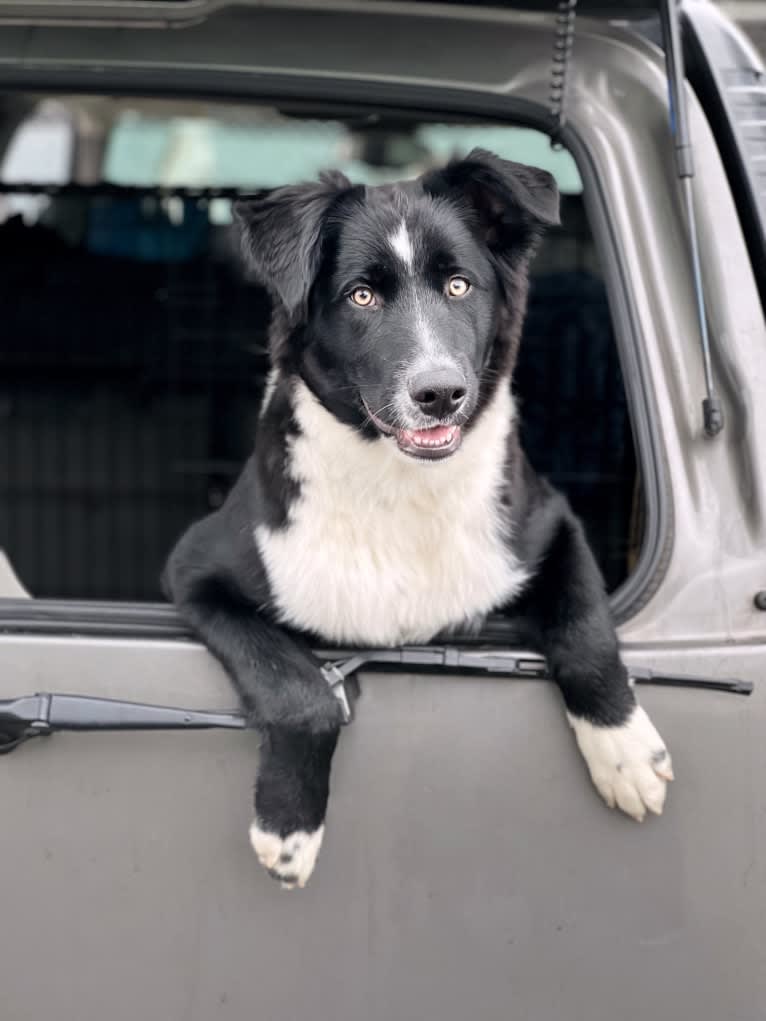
(289, 859)
(629, 765)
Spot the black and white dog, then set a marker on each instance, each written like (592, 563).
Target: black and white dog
(387, 500)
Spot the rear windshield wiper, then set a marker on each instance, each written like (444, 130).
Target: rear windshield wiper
(448, 658)
(43, 713)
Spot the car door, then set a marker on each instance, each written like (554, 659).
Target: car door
(469, 868)
(467, 859)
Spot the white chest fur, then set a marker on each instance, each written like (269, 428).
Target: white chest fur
(381, 549)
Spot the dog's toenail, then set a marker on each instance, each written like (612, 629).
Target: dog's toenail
(283, 877)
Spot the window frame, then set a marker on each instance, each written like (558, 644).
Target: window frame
(147, 620)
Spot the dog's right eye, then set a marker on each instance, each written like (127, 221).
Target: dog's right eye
(362, 296)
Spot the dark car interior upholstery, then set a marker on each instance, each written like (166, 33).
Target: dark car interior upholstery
(133, 357)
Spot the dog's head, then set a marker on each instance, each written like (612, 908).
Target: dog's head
(400, 306)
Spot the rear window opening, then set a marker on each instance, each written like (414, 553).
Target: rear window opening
(134, 353)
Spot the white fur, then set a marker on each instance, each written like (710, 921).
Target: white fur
(629, 765)
(427, 346)
(383, 549)
(402, 245)
(292, 857)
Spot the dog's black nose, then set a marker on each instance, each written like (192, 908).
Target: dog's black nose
(438, 392)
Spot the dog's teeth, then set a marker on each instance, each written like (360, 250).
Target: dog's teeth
(435, 442)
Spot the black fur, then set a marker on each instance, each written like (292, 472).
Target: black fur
(311, 246)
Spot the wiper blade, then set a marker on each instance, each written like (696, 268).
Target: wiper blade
(734, 685)
(446, 657)
(449, 657)
(492, 661)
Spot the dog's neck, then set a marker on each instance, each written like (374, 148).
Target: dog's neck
(380, 548)
(342, 456)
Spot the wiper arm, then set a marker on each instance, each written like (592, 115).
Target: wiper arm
(493, 661)
(44, 713)
(448, 657)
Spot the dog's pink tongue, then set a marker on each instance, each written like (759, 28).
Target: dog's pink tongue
(439, 434)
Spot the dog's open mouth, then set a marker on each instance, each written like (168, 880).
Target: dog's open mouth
(432, 444)
(441, 441)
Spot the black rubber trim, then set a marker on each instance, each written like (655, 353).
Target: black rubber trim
(156, 620)
(85, 617)
(657, 543)
(309, 93)
(177, 13)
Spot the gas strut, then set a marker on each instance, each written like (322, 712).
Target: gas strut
(712, 410)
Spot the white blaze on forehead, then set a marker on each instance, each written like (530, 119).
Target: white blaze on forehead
(401, 244)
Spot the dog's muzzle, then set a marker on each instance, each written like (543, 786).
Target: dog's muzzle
(432, 444)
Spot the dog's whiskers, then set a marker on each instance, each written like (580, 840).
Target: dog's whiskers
(372, 415)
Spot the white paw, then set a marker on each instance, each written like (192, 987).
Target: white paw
(629, 765)
(289, 859)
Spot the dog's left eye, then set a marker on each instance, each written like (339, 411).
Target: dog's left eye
(362, 296)
(457, 287)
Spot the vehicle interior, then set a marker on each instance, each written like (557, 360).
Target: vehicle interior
(134, 349)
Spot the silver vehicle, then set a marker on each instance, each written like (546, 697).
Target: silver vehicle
(469, 871)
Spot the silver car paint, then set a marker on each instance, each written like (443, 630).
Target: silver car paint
(469, 868)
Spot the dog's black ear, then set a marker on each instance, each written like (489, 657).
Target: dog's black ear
(281, 232)
(512, 203)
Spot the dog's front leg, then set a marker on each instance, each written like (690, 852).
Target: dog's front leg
(298, 718)
(566, 601)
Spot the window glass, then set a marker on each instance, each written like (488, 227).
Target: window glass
(134, 353)
(202, 151)
(40, 152)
